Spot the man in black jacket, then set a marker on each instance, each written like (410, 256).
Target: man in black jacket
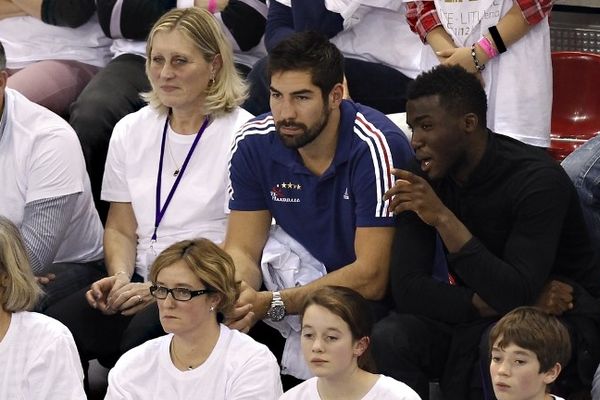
(512, 228)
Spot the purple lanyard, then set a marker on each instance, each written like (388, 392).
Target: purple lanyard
(160, 212)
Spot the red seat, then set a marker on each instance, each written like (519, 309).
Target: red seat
(576, 101)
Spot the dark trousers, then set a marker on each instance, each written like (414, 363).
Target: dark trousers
(374, 85)
(70, 277)
(105, 337)
(113, 93)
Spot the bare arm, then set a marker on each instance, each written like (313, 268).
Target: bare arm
(31, 7)
(247, 233)
(368, 274)
(9, 9)
(120, 239)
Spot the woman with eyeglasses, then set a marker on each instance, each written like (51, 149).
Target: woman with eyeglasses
(166, 179)
(193, 281)
(38, 358)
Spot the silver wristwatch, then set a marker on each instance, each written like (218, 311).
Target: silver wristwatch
(277, 310)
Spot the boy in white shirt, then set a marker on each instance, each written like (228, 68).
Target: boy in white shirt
(529, 348)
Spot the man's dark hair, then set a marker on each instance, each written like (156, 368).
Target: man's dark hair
(312, 52)
(459, 91)
(2, 58)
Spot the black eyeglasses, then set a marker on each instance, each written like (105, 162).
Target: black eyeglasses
(178, 293)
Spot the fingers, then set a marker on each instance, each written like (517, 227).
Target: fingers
(405, 179)
(244, 324)
(127, 296)
(136, 304)
(445, 53)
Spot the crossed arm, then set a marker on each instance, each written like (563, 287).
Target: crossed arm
(246, 235)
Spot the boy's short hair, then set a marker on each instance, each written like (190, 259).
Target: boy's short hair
(536, 331)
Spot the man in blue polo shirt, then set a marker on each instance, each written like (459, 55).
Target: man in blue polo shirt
(319, 165)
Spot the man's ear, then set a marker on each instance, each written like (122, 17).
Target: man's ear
(551, 375)
(336, 95)
(470, 122)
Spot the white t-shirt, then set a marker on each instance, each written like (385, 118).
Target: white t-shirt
(40, 158)
(39, 360)
(198, 207)
(27, 40)
(237, 368)
(385, 388)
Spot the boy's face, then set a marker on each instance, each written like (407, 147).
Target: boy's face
(516, 373)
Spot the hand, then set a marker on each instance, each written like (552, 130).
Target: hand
(413, 193)
(98, 294)
(130, 298)
(556, 298)
(250, 307)
(462, 56)
(45, 279)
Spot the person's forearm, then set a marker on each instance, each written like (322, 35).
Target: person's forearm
(246, 269)
(9, 9)
(512, 26)
(439, 39)
(119, 252)
(453, 232)
(31, 7)
(372, 286)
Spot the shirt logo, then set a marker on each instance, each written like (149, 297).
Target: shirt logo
(286, 192)
(346, 195)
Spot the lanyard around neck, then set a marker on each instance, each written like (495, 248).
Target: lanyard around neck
(160, 211)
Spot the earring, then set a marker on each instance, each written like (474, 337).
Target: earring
(212, 308)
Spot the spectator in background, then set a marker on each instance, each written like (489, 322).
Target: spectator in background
(193, 281)
(583, 167)
(53, 49)
(506, 43)
(39, 357)
(336, 338)
(115, 91)
(46, 193)
(377, 71)
(513, 233)
(166, 179)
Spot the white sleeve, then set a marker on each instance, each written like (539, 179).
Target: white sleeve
(185, 3)
(114, 182)
(56, 373)
(258, 378)
(56, 166)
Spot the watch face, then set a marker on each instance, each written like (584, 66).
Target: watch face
(276, 313)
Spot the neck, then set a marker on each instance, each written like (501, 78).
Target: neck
(318, 154)
(190, 350)
(354, 384)
(5, 317)
(186, 122)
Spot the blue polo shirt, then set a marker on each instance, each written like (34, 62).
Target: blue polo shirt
(321, 212)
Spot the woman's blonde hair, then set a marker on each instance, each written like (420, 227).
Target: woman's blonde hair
(228, 89)
(19, 290)
(212, 265)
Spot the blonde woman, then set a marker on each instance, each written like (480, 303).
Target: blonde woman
(193, 281)
(165, 177)
(38, 355)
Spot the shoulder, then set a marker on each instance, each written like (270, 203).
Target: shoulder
(35, 121)
(258, 131)
(41, 326)
(400, 390)
(374, 129)
(244, 346)
(144, 353)
(302, 391)
(145, 118)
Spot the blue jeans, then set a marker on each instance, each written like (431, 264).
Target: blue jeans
(583, 167)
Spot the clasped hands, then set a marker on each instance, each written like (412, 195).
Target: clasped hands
(251, 306)
(116, 294)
